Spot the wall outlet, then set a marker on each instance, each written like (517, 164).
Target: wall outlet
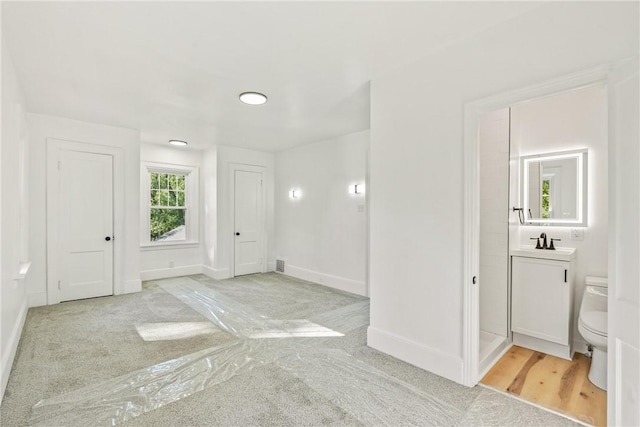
(171, 264)
(577, 234)
(360, 208)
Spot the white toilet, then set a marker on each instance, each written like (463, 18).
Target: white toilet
(592, 324)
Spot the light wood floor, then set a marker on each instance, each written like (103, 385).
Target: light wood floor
(558, 384)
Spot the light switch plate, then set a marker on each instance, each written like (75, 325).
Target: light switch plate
(577, 234)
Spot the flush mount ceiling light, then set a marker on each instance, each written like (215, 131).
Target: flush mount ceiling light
(177, 142)
(253, 98)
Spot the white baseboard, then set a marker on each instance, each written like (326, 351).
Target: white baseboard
(215, 273)
(37, 299)
(164, 273)
(543, 346)
(422, 356)
(9, 352)
(336, 282)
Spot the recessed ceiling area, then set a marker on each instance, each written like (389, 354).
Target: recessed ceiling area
(175, 69)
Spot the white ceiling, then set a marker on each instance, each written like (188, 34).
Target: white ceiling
(175, 69)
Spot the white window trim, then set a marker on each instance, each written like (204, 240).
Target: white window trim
(192, 204)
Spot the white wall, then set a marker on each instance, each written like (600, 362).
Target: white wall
(416, 208)
(569, 121)
(322, 235)
(156, 262)
(210, 212)
(14, 248)
(42, 127)
(493, 135)
(224, 238)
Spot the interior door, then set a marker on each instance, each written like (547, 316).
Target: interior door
(85, 222)
(624, 248)
(248, 222)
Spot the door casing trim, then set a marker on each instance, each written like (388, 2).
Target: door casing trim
(472, 112)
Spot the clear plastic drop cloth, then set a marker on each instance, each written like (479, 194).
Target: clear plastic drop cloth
(346, 318)
(114, 401)
(170, 331)
(368, 394)
(238, 320)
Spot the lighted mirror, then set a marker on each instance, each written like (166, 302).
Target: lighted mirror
(554, 188)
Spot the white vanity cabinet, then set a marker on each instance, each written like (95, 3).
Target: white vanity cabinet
(542, 300)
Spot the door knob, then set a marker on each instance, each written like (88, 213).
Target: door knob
(237, 234)
(107, 238)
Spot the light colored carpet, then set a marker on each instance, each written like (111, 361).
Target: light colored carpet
(81, 345)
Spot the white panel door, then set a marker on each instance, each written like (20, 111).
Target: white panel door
(85, 221)
(248, 222)
(624, 258)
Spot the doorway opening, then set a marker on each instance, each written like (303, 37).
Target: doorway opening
(619, 80)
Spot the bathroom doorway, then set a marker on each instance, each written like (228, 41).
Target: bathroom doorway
(517, 206)
(492, 325)
(621, 146)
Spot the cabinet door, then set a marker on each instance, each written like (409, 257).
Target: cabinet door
(540, 299)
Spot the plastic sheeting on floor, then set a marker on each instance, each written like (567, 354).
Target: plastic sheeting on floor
(169, 331)
(238, 320)
(368, 394)
(115, 401)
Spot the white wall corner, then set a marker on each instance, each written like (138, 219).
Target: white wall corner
(420, 355)
(216, 273)
(271, 266)
(37, 299)
(340, 283)
(131, 286)
(9, 353)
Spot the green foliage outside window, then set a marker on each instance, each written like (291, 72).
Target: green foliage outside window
(168, 204)
(545, 199)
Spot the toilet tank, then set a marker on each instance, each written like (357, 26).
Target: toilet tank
(595, 294)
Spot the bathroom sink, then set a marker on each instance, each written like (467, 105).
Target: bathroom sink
(559, 254)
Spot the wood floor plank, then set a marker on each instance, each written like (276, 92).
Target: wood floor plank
(549, 382)
(593, 402)
(552, 382)
(502, 373)
(518, 382)
(576, 399)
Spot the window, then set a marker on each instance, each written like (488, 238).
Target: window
(170, 209)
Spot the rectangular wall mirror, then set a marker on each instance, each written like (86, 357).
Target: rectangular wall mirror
(554, 188)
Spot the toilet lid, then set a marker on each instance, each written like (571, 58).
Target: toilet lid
(595, 321)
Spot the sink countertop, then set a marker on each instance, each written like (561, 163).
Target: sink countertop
(559, 254)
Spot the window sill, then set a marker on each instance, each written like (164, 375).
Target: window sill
(162, 246)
